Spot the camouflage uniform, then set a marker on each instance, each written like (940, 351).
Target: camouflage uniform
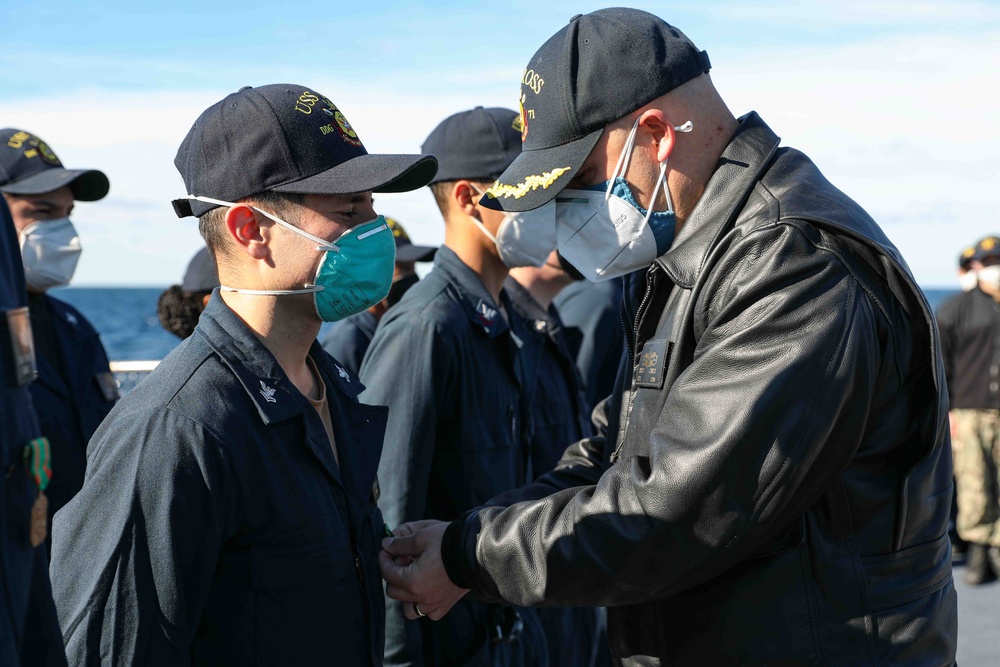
(976, 450)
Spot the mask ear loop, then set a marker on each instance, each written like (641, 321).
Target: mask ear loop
(322, 244)
(662, 180)
(623, 160)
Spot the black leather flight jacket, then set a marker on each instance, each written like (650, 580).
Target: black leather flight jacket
(774, 480)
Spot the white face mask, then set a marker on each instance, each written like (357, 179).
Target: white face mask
(525, 238)
(604, 233)
(968, 280)
(50, 251)
(990, 275)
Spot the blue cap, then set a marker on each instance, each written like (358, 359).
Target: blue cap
(477, 144)
(601, 67)
(201, 274)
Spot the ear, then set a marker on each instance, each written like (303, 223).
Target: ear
(660, 132)
(465, 197)
(246, 227)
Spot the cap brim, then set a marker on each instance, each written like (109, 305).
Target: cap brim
(415, 253)
(535, 177)
(86, 184)
(368, 173)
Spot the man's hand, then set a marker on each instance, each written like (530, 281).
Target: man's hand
(414, 574)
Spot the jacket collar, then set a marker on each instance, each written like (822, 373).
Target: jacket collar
(744, 160)
(482, 310)
(256, 368)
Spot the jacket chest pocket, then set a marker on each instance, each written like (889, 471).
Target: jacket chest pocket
(301, 593)
(489, 454)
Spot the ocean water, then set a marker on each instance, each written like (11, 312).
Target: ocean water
(126, 318)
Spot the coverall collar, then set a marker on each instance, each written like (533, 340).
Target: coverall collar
(480, 306)
(256, 368)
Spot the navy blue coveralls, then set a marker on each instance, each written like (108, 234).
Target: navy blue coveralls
(449, 367)
(594, 309)
(29, 633)
(560, 416)
(348, 340)
(215, 526)
(74, 392)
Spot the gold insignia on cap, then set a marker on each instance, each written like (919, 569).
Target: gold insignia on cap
(969, 252)
(17, 139)
(530, 183)
(988, 243)
(397, 229)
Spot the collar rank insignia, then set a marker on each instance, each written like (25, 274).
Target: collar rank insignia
(267, 393)
(71, 318)
(487, 314)
(343, 374)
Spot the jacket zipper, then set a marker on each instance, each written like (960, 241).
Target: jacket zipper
(364, 598)
(633, 342)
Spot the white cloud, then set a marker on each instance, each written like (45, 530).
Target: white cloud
(903, 124)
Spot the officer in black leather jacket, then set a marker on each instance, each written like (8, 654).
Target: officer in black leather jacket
(772, 485)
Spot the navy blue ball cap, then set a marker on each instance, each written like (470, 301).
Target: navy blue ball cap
(201, 275)
(29, 167)
(286, 138)
(406, 251)
(599, 68)
(477, 144)
(987, 247)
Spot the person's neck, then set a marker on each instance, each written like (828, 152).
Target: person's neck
(491, 271)
(543, 290)
(688, 174)
(282, 324)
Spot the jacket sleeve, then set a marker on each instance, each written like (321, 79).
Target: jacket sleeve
(408, 368)
(768, 411)
(135, 552)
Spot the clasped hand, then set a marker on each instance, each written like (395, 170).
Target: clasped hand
(414, 574)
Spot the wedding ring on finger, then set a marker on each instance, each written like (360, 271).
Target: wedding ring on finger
(417, 610)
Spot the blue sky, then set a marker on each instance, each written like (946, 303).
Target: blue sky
(892, 99)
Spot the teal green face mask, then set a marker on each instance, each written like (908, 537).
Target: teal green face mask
(354, 273)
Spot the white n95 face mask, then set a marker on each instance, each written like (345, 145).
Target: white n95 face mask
(604, 233)
(525, 238)
(50, 251)
(968, 280)
(990, 275)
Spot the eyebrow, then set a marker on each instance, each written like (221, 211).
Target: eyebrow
(44, 202)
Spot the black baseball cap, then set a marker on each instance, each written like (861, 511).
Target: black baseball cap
(966, 256)
(477, 144)
(599, 68)
(406, 251)
(29, 167)
(987, 247)
(285, 138)
(201, 275)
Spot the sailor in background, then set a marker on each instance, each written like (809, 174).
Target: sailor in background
(75, 389)
(348, 340)
(29, 633)
(180, 306)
